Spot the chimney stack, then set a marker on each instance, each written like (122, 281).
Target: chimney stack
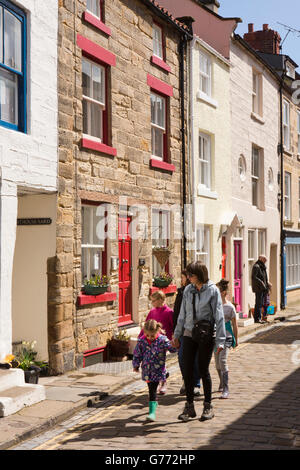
(266, 40)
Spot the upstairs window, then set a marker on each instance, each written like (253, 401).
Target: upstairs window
(203, 244)
(160, 237)
(95, 7)
(94, 102)
(205, 73)
(158, 48)
(287, 196)
(255, 174)
(257, 93)
(205, 160)
(298, 131)
(286, 125)
(12, 67)
(158, 126)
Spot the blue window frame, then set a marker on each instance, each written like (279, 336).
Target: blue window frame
(12, 66)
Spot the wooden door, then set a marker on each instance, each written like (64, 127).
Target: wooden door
(238, 275)
(125, 272)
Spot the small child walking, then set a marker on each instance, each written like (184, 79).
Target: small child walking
(231, 339)
(164, 315)
(150, 352)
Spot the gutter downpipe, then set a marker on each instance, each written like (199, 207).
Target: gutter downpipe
(282, 238)
(192, 172)
(182, 46)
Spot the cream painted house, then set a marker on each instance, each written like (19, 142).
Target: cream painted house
(210, 150)
(255, 136)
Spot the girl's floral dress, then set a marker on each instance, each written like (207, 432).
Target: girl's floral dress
(152, 355)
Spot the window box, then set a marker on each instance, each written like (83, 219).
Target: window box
(171, 289)
(94, 290)
(96, 22)
(84, 299)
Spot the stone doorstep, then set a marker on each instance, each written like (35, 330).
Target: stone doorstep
(13, 399)
(11, 378)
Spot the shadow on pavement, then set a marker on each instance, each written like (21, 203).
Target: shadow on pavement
(267, 337)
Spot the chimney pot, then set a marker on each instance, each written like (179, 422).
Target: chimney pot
(265, 27)
(250, 27)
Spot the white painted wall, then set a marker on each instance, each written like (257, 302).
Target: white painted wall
(245, 132)
(29, 161)
(213, 118)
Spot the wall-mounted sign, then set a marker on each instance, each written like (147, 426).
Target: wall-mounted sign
(35, 221)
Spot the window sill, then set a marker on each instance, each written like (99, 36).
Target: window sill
(257, 118)
(84, 299)
(171, 289)
(159, 164)
(205, 192)
(207, 99)
(96, 22)
(90, 144)
(287, 152)
(160, 63)
(288, 223)
(288, 289)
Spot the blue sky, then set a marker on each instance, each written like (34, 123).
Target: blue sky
(270, 12)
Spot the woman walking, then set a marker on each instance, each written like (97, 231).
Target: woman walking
(201, 310)
(150, 351)
(184, 282)
(231, 338)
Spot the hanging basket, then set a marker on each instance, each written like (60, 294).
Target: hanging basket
(162, 255)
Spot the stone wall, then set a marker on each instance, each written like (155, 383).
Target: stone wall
(86, 175)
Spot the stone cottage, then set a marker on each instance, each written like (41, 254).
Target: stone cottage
(121, 77)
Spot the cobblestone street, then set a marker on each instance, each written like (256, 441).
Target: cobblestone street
(262, 412)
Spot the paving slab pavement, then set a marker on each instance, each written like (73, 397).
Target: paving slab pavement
(67, 394)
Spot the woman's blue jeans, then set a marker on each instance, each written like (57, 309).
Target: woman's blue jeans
(196, 365)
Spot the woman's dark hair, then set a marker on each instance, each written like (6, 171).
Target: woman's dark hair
(223, 285)
(198, 269)
(184, 273)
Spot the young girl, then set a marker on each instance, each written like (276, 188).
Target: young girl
(231, 338)
(150, 351)
(164, 315)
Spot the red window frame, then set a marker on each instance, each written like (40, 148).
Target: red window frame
(106, 59)
(98, 23)
(161, 62)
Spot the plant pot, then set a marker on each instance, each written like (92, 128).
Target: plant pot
(161, 282)
(118, 348)
(94, 290)
(32, 375)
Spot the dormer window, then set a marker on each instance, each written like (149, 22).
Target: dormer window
(290, 71)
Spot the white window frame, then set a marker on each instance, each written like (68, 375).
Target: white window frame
(287, 195)
(202, 252)
(158, 46)
(299, 198)
(156, 128)
(261, 241)
(292, 265)
(204, 161)
(205, 76)
(90, 101)
(251, 254)
(257, 93)
(160, 234)
(255, 177)
(94, 7)
(286, 125)
(92, 244)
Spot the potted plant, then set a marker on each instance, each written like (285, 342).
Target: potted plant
(26, 361)
(163, 280)
(119, 344)
(96, 285)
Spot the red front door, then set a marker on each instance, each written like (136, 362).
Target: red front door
(238, 275)
(125, 272)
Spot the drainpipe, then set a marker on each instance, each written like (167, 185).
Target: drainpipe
(182, 47)
(282, 237)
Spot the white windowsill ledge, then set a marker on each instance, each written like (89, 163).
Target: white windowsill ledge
(258, 118)
(207, 99)
(205, 192)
